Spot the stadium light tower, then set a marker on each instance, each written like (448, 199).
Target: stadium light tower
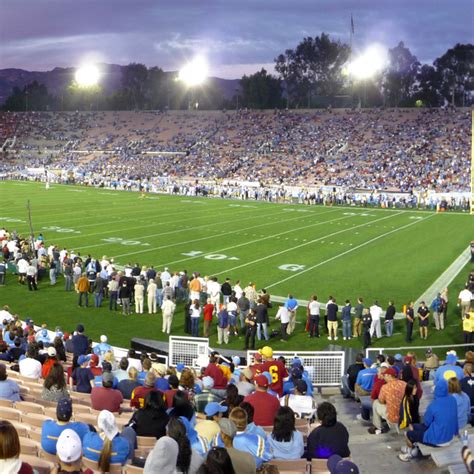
(369, 63)
(87, 75)
(194, 73)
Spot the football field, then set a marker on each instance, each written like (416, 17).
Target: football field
(287, 248)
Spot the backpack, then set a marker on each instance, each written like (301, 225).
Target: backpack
(405, 414)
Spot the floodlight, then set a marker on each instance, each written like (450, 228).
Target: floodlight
(194, 73)
(88, 75)
(369, 63)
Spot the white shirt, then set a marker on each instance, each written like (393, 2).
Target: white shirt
(30, 368)
(375, 312)
(139, 290)
(283, 314)
(231, 307)
(31, 270)
(314, 308)
(22, 265)
(151, 288)
(300, 404)
(4, 314)
(238, 291)
(168, 307)
(465, 296)
(165, 276)
(214, 289)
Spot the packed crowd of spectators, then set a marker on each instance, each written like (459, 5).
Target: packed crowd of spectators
(394, 149)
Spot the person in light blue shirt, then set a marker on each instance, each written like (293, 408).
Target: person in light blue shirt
(462, 400)
(103, 347)
(449, 369)
(285, 441)
(9, 389)
(365, 378)
(252, 428)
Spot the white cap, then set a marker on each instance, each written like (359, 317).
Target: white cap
(103, 338)
(51, 351)
(69, 446)
(106, 423)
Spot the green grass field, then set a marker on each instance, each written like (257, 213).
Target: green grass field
(340, 251)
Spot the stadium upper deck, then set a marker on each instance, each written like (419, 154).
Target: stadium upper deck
(394, 149)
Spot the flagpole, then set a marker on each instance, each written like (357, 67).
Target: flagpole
(351, 77)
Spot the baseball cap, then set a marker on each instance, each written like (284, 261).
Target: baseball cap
(338, 465)
(94, 360)
(213, 408)
(44, 332)
(261, 380)
(80, 328)
(296, 372)
(103, 338)
(266, 352)
(384, 365)
(236, 360)
(257, 356)
(398, 357)
(107, 377)
(64, 409)
(180, 367)
(227, 427)
(83, 358)
(106, 423)
(297, 362)
(208, 382)
(407, 358)
(301, 386)
(51, 351)
(391, 371)
(367, 361)
(69, 446)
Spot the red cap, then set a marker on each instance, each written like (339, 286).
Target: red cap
(94, 360)
(261, 380)
(257, 356)
(391, 371)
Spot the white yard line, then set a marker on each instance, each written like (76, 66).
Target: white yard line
(347, 251)
(445, 278)
(305, 244)
(222, 234)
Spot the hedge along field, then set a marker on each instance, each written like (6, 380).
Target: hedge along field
(345, 252)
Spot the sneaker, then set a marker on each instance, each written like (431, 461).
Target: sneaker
(405, 449)
(336, 338)
(374, 430)
(330, 338)
(359, 417)
(405, 457)
(345, 338)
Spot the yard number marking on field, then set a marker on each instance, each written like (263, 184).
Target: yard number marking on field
(119, 240)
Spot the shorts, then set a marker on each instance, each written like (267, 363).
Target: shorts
(232, 319)
(424, 324)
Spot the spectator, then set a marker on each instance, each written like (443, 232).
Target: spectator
(9, 390)
(242, 462)
(29, 366)
(331, 437)
(163, 457)
(285, 441)
(80, 344)
(198, 443)
(69, 452)
(127, 386)
(106, 397)
(108, 446)
(467, 383)
(301, 403)
(201, 400)
(210, 427)
(138, 395)
(82, 376)
(151, 420)
(349, 380)
(251, 443)
(51, 429)
(252, 428)
(409, 412)
(182, 406)
(244, 385)
(365, 378)
(55, 386)
(233, 399)
(217, 462)
(440, 423)
(264, 404)
(10, 451)
(387, 406)
(462, 400)
(449, 369)
(169, 394)
(189, 459)
(220, 381)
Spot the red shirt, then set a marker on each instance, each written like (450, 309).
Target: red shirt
(106, 399)
(265, 407)
(47, 367)
(208, 310)
(139, 394)
(169, 394)
(378, 384)
(278, 372)
(220, 380)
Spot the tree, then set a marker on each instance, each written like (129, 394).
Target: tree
(427, 90)
(313, 68)
(456, 71)
(33, 96)
(260, 91)
(134, 83)
(400, 76)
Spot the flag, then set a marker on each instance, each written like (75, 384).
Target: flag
(352, 24)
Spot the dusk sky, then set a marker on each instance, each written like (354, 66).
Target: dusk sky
(236, 36)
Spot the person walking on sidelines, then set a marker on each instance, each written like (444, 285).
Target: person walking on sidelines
(195, 313)
(464, 300)
(292, 305)
(314, 310)
(389, 317)
(168, 308)
(83, 289)
(437, 308)
(284, 316)
(366, 325)
(151, 296)
(410, 313)
(139, 290)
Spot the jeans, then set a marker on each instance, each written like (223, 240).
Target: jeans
(389, 328)
(346, 328)
(159, 297)
(243, 316)
(81, 294)
(98, 299)
(195, 327)
(314, 326)
(265, 331)
(2, 278)
(126, 306)
(250, 337)
(365, 407)
(284, 331)
(68, 283)
(113, 300)
(409, 331)
(52, 276)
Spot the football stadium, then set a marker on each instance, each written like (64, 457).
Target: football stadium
(204, 274)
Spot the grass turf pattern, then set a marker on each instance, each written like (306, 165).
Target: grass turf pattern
(340, 251)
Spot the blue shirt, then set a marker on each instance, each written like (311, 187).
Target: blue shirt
(292, 449)
(223, 319)
(464, 408)
(256, 445)
(9, 390)
(291, 304)
(346, 313)
(93, 443)
(51, 430)
(365, 378)
(448, 371)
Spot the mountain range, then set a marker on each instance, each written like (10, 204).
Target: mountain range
(58, 79)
